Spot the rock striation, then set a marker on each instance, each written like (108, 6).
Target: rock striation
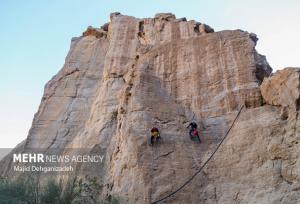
(131, 74)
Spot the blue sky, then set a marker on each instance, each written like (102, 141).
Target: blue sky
(35, 38)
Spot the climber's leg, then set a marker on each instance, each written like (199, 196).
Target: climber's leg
(199, 140)
(158, 138)
(152, 140)
(191, 134)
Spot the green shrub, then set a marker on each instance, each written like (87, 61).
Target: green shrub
(21, 191)
(18, 191)
(51, 193)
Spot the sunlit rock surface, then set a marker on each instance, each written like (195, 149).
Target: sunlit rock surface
(131, 74)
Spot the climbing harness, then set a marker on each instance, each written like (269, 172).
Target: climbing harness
(201, 168)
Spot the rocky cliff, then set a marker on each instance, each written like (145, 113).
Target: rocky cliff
(131, 74)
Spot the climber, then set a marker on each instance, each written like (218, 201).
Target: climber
(195, 134)
(193, 131)
(155, 135)
(191, 127)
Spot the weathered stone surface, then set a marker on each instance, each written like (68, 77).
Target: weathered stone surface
(165, 16)
(282, 88)
(166, 72)
(259, 162)
(98, 33)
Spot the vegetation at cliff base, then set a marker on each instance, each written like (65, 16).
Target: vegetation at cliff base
(21, 191)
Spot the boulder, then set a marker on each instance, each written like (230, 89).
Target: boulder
(97, 32)
(282, 88)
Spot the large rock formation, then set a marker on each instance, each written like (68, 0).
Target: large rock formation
(283, 88)
(131, 74)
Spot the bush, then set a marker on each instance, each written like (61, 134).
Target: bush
(27, 191)
(51, 193)
(18, 191)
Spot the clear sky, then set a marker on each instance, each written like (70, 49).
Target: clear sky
(35, 38)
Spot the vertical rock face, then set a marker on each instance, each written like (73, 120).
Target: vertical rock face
(69, 95)
(141, 64)
(131, 74)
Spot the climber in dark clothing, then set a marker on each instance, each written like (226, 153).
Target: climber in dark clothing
(155, 135)
(193, 131)
(191, 127)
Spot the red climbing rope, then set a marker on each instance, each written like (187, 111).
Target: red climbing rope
(211, 156)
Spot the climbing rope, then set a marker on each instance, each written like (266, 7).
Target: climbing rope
(211, 156)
